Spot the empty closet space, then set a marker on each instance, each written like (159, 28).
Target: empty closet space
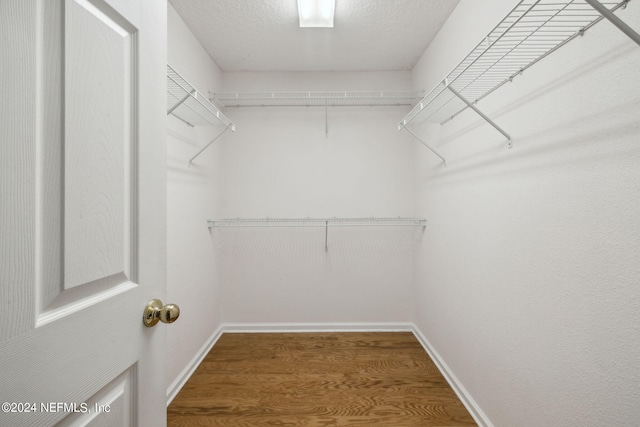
(480, 199)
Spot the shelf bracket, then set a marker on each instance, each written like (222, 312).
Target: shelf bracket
(326, 121)
(622, 26)
(425, 144)
(172, 109)
(481, 114)
(326, 236)
(207, 146)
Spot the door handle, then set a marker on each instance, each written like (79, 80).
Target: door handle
(155, 311)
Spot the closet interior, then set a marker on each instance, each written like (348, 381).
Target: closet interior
(515, 268)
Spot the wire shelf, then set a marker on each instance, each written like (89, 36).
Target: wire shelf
(530, 32)
(317, 99)
(318, 222)
(189, 105)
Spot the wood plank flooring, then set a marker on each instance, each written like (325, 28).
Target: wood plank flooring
(317, 379)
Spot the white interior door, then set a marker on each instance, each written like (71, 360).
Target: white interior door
(82, 211)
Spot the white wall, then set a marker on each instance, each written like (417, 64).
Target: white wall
(193, 197)
(527, 276)
(281, 164)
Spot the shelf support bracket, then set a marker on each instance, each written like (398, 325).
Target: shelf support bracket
(326, 121)
(481, 114)
(425, 144)
(172, 109)
(622, 26)
(207, 146)
(326, 236)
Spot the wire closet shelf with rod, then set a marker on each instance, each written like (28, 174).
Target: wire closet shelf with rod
(326, 223)
(318, 99)
(530, 32)
(323, 99)
(190, 106)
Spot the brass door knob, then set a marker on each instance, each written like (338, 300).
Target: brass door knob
(155, 311)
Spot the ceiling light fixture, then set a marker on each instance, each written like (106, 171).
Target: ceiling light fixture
(316, 13)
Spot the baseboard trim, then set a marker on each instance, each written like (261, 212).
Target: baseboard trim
(465, 397)
(191, 367)
(316, 327)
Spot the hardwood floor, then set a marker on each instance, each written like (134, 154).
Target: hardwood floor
(317, 379)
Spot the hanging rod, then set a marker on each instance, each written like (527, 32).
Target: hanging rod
(317, 99)
(317, 222)
(530, 32)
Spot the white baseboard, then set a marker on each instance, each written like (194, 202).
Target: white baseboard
(317, 327)
(474, 409)
(476, 412)
(188, 370)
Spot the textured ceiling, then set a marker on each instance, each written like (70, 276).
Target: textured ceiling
(263, 35)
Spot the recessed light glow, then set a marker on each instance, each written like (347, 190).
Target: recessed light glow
(316, 13)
